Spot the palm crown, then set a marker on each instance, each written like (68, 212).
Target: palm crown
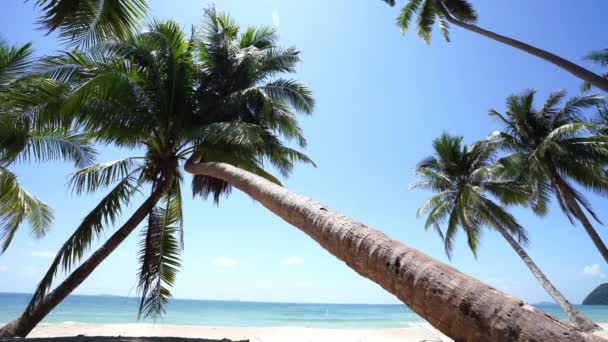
(553, 146)
(216, 95)
(464, 182)
(429, 12)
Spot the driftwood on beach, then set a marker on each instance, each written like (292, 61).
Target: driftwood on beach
(81, 338)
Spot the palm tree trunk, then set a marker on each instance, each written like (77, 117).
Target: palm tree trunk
(597, 240)
(459, 306)
(23, 325)
(576, 317)
(574, 69)
(563, 190)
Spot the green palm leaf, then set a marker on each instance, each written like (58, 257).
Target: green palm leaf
(159, 257)
(14, 62)
(105, 214)
(17, 205)
(58, 144)
(86, 22)
(92, 178)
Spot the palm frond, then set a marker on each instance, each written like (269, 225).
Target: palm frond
(263, 37)
(14, 62)
(407, 13)
(461, 10)
(426, 20)
(105, 214)
(572, 108)
(600, 57)
(18, 205)
(58, 144)
(91, 178)
(293, 92)
(159, 259)
(86, 22)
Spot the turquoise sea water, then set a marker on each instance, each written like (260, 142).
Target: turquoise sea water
(110, 309)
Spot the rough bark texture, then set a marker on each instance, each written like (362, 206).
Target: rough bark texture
(25, 323)
(460, 306)
(574, 69)
(576, 317)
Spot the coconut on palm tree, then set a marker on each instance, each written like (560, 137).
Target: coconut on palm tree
(219, 94)
(462, 14)
(465, 182)
(554, 148)
(22, 138)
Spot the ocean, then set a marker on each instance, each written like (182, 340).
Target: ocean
(112, 309)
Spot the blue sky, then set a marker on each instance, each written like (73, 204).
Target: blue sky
(382, 98)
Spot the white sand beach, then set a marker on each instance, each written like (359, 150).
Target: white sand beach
(262, 334)
(270, 334)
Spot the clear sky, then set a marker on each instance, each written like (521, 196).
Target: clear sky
(382, 98)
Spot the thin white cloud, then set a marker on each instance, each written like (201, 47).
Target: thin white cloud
(594, 270)
(43, 254)
(30, 244)
(123, 254)
(225, 262)
(3, 268)
(292, 260)
(276, 19)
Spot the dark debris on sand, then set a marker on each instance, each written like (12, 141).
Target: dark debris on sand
(82, 338)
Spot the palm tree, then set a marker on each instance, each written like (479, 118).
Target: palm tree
(219, 94)
(464, 181)
(460, 306)
(462, 14)
(87, 22)
(553, 148)
(22, 139)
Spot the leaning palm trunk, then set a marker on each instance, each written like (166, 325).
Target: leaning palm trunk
(597, 240)
(577, 318)
(459, 306)
(23, 325)
(574, 69)
(569, 199)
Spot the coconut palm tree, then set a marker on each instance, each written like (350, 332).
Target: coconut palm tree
(460, 306)
(219, 93)
(22, 139)
(465, 182)
(553, 148)
(87, 22)
(462, 14)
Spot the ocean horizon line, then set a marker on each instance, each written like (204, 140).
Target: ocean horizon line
(236, 300)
